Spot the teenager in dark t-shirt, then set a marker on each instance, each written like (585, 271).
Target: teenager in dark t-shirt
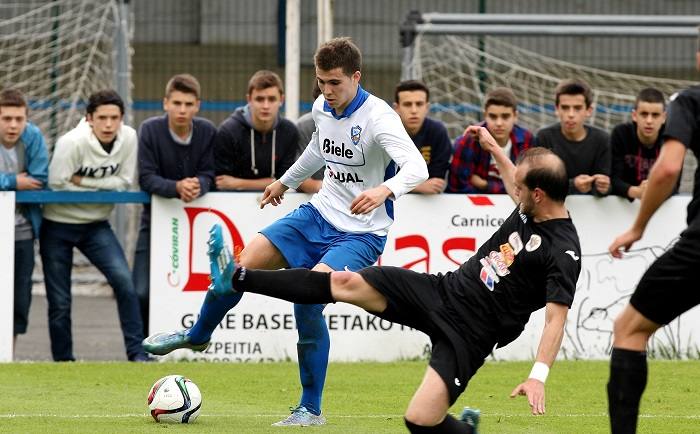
(585, 149)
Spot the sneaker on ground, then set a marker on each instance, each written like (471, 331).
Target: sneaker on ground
(301, 417)
(221, 263)
(163, 343)
(471, 417)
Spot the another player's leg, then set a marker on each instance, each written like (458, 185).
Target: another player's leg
(221, 264)
(303, 286)
(427, 411)
(667, 289)
(219, 299)
(628, 369)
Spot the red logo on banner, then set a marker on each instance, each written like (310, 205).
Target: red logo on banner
(200, 281)
(480, 200)
(420, 242)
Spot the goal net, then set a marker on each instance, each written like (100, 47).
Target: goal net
(58, 53)
(459, 71)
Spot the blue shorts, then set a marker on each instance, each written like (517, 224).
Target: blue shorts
(305, 239)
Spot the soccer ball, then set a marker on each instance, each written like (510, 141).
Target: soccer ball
(175, 399)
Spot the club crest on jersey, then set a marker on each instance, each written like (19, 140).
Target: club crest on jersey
(488, 278)
(533, 243)
(355, 134)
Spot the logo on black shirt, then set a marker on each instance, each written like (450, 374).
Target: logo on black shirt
(572, 254)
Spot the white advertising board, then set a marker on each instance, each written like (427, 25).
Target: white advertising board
(431, 234)
(7, 269)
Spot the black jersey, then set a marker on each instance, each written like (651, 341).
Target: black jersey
(523, 266)
(683, 124)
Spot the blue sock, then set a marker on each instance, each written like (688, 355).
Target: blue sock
(212, 312)
(312, 350)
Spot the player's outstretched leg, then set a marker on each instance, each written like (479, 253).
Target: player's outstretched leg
(217, 302)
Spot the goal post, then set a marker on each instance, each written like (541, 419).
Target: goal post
(58, 52)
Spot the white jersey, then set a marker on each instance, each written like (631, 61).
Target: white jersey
(359, 149)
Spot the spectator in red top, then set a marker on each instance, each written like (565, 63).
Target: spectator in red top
(473, 170)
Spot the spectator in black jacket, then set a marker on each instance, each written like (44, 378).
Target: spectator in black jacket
(255, 146)
(636, 145)
(412, 103)
(175, 159)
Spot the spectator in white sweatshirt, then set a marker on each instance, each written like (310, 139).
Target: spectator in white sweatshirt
(98, 154)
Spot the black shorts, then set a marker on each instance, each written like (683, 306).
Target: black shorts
(671, 285)
(418, 300)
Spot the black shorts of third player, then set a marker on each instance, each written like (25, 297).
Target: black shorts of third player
(417, 300)
(671, 285)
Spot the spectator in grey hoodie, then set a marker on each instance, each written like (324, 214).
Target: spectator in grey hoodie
(255, 146)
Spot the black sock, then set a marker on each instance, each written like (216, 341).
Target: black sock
(628, 378)
(297, 285)
(449, 425)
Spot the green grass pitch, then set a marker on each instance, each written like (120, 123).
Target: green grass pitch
(359, 398)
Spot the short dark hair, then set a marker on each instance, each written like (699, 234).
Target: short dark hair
(501, 96)
(546, 171)
(104, 97)
(265, 79)
(574, 86)
(185, 83)
(651, 95)
(12, 98)
(339, 53)
(411, 85)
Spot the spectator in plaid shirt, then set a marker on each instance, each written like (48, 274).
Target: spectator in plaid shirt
(473, 170)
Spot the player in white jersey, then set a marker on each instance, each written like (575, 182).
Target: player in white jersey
(360, 139)
(357, 148)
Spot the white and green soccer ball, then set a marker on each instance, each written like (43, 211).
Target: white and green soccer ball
(175, 399)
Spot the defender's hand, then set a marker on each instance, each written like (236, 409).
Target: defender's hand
(482, 135)
(534, 390)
